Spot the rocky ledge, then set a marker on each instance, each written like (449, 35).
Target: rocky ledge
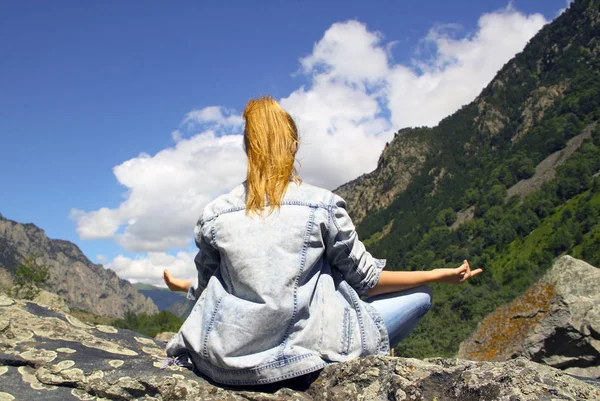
(556, 322)
(47, 354)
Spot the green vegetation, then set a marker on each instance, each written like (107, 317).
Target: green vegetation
(30, 276)
(515, 240)
(149, 325)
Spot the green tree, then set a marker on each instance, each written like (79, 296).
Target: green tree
(525, 168)
(561, 241)
(30, 276)
(446, 217)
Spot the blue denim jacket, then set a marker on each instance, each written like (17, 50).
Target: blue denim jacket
(279, 296)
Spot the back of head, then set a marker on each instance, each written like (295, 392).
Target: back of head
(270, 142)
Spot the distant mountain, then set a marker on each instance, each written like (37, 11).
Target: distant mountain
(162, 297)
(181, 308)
(510, 182)
(84, 285)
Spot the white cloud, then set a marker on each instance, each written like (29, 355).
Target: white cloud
(460, 68)
(356, 98)
(216, 116)
(567, 5)
(166, 193)
(149, 269)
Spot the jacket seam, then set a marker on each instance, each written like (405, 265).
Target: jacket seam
(284, 203)
(223, 264)
(359, 317)
(349, 252)
(210, 326)
(278, 363)
(289, 375)
(307, 235)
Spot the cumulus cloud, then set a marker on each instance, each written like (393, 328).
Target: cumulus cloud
(166, 193)
(215, 116)
(562, 10)
(148, 269)
(355, 99)
(460, 68)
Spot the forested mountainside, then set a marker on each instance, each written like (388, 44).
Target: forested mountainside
(510, 182)
(83, 284)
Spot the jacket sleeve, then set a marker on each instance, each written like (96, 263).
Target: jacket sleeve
(347, 253)
(207, 260)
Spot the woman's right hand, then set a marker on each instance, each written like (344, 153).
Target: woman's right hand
(458, 275)
(176, 284)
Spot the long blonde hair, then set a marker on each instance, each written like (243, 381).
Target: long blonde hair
(270, 142)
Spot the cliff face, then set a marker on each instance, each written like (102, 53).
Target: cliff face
(528, 89)
(50, 355)
(399, 161)
(83, 284)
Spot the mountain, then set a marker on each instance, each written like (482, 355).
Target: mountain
(509, 182)
(162, 297)
(83, 284)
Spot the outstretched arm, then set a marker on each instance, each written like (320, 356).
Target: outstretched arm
(397, 281)
(176, 284)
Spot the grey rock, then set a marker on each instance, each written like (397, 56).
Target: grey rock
(556, 322)
(164, 337)
(49, 355)
(83, 284)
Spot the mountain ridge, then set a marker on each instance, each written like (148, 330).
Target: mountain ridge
(455, 202)
(83, 284)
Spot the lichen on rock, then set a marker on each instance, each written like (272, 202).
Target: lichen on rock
(555, 322)
(78, 365)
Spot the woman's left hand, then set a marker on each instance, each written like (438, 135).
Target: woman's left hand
(458, 275)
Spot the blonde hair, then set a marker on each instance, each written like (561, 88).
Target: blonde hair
(270, 142)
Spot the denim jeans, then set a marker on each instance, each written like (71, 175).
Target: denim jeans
(401, 311)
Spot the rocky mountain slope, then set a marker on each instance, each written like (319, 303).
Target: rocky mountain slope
(399, 161)
(523, 93)
(50, 355)
(509, 182)
(556, 322)
(83, 284)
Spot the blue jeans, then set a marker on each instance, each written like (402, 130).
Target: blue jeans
(401, 311)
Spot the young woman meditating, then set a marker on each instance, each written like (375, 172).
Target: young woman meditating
(282, 273)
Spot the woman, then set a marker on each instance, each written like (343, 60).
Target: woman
(281, 273)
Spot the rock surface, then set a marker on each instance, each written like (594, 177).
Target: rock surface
(83, 284)
(165, 336)
(556, 322)
(49, 355)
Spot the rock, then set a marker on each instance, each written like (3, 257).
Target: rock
(400, 160)
(556, 322)
(164, 336)
(49, 355)
(6, 281)
(52, 301)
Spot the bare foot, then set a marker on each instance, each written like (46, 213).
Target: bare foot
(175, 284)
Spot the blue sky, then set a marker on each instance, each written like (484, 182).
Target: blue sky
(87, 86)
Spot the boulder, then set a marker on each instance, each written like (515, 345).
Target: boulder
(49, 355)
(556, 322)
(164, 337)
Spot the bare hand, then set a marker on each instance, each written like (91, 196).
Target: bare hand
(175, 284)
(458, 275)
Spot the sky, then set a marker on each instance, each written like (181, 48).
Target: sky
(120, 120)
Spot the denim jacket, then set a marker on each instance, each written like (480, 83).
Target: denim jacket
(279, 296)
